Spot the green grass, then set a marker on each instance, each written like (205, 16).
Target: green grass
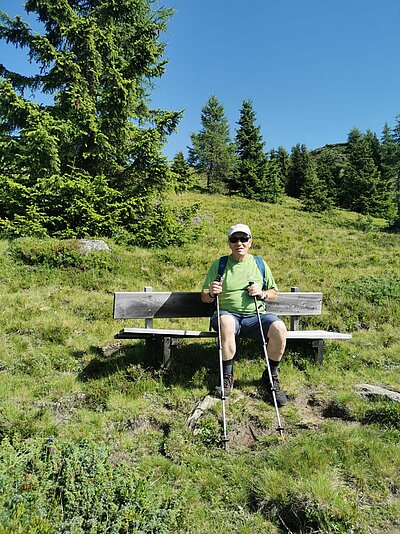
(94, 437)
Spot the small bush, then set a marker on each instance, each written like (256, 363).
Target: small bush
(78, 490)
(56, 253)
(78, 205)
(374, 290)
(209, 431)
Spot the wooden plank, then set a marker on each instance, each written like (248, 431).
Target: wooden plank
(139, 305)
(316, 334)
(167, 305)
(143, 333)
(300, 303)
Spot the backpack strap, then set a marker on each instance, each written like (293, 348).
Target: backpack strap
(222, 265)
(261, 267)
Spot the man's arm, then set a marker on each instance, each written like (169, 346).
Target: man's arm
(270, 294)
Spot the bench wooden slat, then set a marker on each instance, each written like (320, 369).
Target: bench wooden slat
(316, 334)
(142, 333)
(167, 305)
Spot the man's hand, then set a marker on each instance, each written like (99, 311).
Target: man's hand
(215, 288)
(255, 290)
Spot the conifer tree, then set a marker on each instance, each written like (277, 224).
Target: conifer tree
(364, 190)
(212, 150)
(87, 162)
(182, 173)
(254, 178)
(314, 191)
(281, 156)
(297, 170)
(329, 172)
(375, 147)
(391, 164)
(274, 189)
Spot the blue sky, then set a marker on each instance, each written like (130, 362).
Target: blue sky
(314, 69)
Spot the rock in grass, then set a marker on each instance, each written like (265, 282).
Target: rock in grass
(199, 410)
(91, 245)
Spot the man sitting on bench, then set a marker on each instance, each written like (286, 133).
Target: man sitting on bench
(244, 277)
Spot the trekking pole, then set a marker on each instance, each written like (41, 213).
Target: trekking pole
(279, 428)
(224, 437)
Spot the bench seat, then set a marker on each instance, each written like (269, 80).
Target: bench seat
(143, 333)
(149, 305)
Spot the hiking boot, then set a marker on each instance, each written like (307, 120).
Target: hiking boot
(280, 395)
(228, 386)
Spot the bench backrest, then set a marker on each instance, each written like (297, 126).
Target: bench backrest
(150, 305)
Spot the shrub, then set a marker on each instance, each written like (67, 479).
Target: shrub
(78, 205)
(78, 490)
(56, 253)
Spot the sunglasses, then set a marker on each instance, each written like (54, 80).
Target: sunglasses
(235, 239)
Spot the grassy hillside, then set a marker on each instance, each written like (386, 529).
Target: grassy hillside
(95, 437)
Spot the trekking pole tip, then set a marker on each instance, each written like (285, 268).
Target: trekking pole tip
(224, 441)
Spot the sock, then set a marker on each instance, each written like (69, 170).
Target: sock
(274, 366)
(228, 367)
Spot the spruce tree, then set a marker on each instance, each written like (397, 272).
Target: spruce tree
(87, 162)
(212, 150)
(182, 173)
(391, 164)
(281, 156)
(375, 147)
(297, 170)
(314, 191)
(274, 189)
(329, 172)
(253, 178)
(364, 190)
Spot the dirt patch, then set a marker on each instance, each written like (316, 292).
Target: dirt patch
(311, 410)
(64, 407)
(244, 434)
(143, 424)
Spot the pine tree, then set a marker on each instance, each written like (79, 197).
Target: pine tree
(253, 178)
(375, 147)
(364, 190)
(329, 172)
(297, 170)
(274, 189)
(89, 161)
(393, 161)
(281, 156)
(212, 149)
(314, 191)
(182, 173)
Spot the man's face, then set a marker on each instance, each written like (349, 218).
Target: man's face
(238, 247)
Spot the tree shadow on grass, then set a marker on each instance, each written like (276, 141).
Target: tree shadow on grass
(189, 358)
(202, 358)
(103, 365)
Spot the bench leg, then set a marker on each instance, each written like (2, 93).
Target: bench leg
(166, 348)
(319, 345)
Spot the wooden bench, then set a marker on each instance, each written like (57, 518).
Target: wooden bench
(149, 305)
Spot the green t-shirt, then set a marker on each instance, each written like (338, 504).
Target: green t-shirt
(236, 278)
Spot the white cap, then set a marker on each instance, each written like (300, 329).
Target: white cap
(239, 228)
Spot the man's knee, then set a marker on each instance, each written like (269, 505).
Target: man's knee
(277, 330)
(228, 326)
